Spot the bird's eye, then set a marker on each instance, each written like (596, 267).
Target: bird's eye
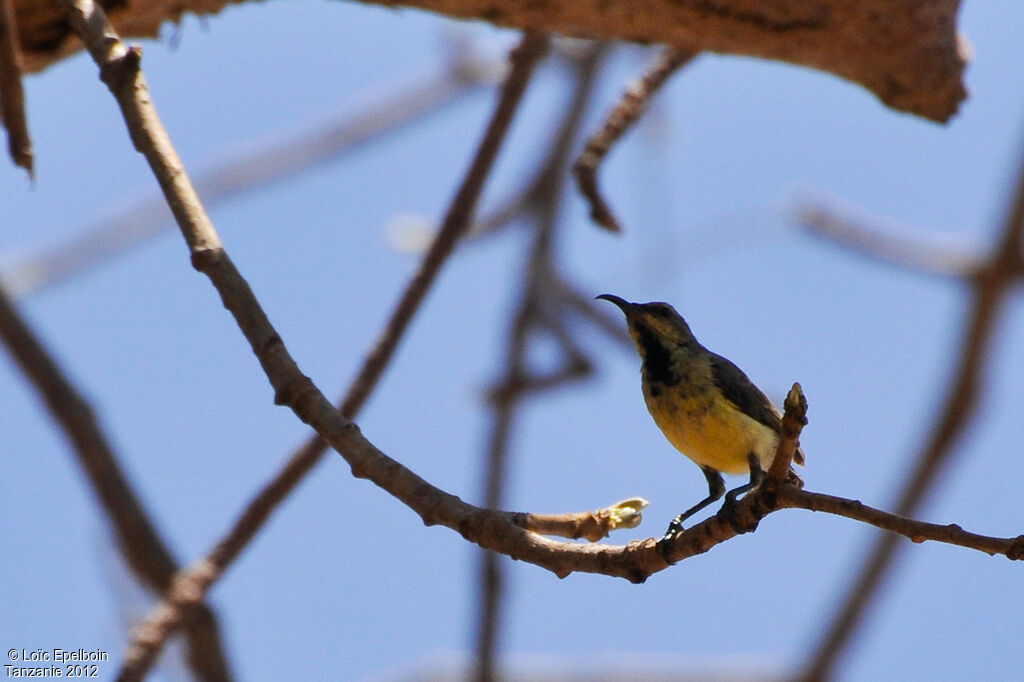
(661, 310)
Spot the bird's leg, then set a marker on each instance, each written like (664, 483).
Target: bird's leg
(716, 488)
(756, 476)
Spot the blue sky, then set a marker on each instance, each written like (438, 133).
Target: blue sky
(345, 582)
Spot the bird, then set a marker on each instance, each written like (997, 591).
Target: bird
(704, 404)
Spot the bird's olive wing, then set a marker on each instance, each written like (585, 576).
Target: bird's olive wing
(741, 391)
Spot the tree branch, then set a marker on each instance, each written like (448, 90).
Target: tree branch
(141, 545)
(904, 51)
(12, 94)
(916, 531)
(622, 117)
(793, 421)
(534, 313)
(872, 242)
(591, 525)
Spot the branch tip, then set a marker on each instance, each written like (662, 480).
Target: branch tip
(625, 514)
(793, 421)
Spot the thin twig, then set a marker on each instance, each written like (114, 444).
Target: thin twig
(592, 525)
(625, 114)
(574, 362)
(598, 317)
(457, 220)
(141, 545)
(991, 284)
(916, 531)
(12, 94)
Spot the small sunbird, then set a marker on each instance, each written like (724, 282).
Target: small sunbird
(703, 403)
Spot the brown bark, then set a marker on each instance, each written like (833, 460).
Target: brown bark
(906, 52)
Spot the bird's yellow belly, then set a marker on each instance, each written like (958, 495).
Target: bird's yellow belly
(715, 435)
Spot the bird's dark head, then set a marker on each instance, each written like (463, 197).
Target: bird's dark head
(654, 326)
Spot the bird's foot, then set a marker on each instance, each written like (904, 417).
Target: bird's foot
(674, 529)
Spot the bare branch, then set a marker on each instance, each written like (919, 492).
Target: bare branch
(456, 222)
(12, 95)
(906, 52)
(598, 317)
(917, 531)
(794, 419)
(534, 312)
(875, 242)
(592, 525)
(141, 545)
(770, 497)
(626, 113)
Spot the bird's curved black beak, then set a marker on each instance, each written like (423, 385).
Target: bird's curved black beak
(624, 305)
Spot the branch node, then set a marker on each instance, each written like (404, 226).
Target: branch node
(118, 72)
(299, 389)
(204, 259)
(1016, 550)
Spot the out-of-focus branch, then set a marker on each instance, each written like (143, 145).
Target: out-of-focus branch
(990, 282)
(598, 317)
(12, 94)
(378, 115)
(622, 117)
(456, 223)
(140, 544)
(906, 52)
(574, 365)
(535, 312)
(874, 242)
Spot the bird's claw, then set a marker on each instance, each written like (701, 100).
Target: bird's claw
(663, 546)
(674, 528)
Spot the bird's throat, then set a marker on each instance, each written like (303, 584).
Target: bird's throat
(659, 367)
